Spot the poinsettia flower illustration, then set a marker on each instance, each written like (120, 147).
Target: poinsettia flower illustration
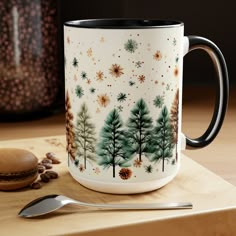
(116, 70)
(141, 78)
(157, 56)
(99, 76)
(103, 100)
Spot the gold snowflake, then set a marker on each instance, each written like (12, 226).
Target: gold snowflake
(116, 70)
(89, 52)
(103, 100)
(137, 163)
(141, 78)
(99, 76)
(157, 56)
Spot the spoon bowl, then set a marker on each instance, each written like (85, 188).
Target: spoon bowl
(53, 202)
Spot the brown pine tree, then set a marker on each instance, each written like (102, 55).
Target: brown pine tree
(174, 119)
(70, 134)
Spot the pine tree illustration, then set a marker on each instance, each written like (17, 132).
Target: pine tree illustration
(85, 135)
(110, 149)
(70, 134)
(174, 119)
(139, 130)
(162, 139)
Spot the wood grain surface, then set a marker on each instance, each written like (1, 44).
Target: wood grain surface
(213, 199)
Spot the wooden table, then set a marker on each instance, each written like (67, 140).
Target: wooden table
(213, 213)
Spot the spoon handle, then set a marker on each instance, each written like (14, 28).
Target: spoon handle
(154, 206)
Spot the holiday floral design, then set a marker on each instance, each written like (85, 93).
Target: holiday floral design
(125, 173)
(122, 107)
(157, 56)
(103, 100)
(79, 91)
(116, 70)
(137, 163)
(141, 79)
(121, 97)
(131, 46)
(158, 101)
(99, 76)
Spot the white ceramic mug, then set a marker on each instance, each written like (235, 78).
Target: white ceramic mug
(124, 99)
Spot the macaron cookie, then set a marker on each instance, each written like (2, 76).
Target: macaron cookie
(18, 168)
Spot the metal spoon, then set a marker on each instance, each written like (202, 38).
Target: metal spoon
(50, 203)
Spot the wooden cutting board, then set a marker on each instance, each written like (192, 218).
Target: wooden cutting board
(214, 211)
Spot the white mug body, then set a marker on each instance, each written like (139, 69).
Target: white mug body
(123, 106)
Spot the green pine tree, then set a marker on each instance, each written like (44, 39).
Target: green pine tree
(85, 135)
(110, 148)
(162, 139)
(139, 130)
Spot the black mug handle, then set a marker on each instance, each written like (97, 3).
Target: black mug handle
(196, 42)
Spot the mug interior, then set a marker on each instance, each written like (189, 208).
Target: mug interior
(124, 23)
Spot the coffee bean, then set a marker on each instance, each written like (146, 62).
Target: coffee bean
(36, 185)
(41, 168)
(52, 156)
(45, 178)
(46, 161)
(47, 165)
(52, 174)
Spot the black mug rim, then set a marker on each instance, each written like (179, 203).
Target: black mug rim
(123, 23)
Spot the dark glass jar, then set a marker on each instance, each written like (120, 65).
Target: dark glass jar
(30, 85)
